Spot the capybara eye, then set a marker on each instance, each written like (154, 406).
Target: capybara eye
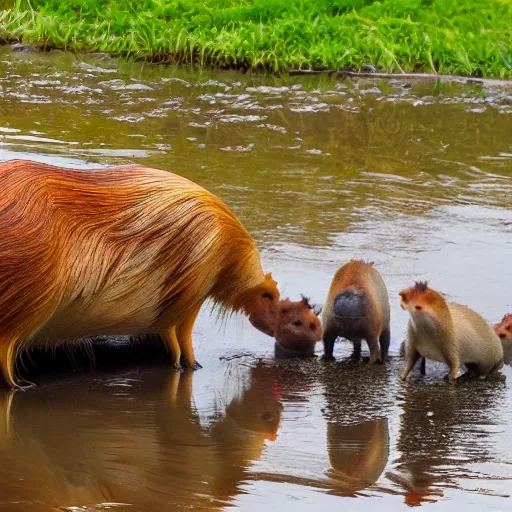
(312, 326)
(267, 295)
(297, 323)
(418, 308)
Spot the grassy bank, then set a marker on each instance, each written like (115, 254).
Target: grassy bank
(466, 37)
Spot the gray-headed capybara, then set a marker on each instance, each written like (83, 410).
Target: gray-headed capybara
(357, 308)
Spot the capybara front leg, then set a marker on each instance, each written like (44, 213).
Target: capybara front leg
(375, 353)
(411, 358)
(385, 338)
(7, 361)
(172, 343)
(185, 341)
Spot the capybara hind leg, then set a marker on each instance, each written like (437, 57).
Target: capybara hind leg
(374, 346)
(455, 372)
(453, 362)
(172, 343)
(185, 341)
(478, 370)
(384, 340)
(329, 338)
(7, 360)
(356, 353)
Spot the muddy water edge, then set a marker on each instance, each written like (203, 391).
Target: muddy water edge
(413, 176)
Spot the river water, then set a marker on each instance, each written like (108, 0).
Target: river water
(412, 176)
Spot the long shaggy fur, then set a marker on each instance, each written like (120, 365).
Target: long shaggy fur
(130, 250)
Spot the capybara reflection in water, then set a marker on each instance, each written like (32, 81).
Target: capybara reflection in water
(357, 308)
(153, 447)
(358, 453)
(448, 333)
(125, 250)
(297, 329)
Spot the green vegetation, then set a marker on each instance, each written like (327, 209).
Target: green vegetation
(467, 37)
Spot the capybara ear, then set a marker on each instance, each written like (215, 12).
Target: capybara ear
(271, 284)
(404, 296)
(268, 277)
(305, 301)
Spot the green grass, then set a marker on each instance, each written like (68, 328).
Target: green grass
(466, 37)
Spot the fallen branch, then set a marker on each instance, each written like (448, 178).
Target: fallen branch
(467, 80)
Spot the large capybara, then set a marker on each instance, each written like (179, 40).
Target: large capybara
(448, 333)
(124, 250)
(297, 329)
(357, 308)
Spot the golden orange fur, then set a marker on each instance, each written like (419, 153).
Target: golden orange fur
(447, 332)
(129, 250)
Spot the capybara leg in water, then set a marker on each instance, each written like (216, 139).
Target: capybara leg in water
(171, 339)
(7, 360)
(329, 337)
(384, 340)
(188, 359)
(375, 351)
(356, 354)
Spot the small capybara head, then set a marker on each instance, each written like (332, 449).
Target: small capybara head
(297, 328)
(264, 306)
(419, 298)
(504, 328)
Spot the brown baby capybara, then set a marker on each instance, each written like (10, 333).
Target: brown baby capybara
(297, 329)
(357, 308)
(119, 251)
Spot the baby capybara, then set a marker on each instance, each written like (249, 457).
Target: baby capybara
(357, 308)
(297, 329)
(449, 333)
(504, 328)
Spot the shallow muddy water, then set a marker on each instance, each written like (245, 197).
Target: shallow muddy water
(415, 178)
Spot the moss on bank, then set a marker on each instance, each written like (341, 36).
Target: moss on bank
(467, 37)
